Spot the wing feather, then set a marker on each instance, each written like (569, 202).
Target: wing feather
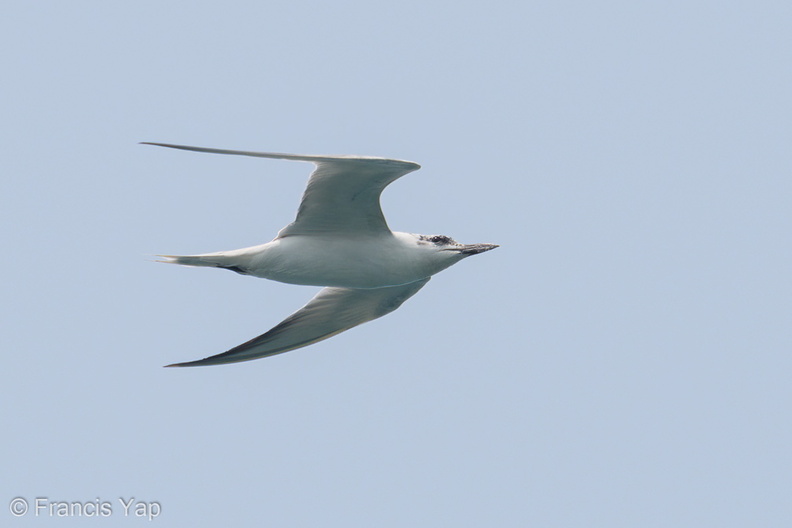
(330, 312)
(342, 195)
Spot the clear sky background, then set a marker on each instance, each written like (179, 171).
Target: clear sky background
(622, 360)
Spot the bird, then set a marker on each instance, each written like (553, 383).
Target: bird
(340, 241)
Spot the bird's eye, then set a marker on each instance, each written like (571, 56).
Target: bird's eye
(440, 239)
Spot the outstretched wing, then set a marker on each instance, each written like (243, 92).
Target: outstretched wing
(342, 196)
(332, 311)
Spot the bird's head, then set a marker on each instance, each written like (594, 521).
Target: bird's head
(448, 246)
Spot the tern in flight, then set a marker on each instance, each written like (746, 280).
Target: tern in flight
(339, 240)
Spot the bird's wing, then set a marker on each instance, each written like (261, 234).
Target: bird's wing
(342, 196)
(332, 311)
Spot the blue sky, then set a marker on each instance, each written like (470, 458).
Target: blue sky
(621, 360)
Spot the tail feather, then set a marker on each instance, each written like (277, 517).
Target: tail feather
(188, 260)
(212, 260)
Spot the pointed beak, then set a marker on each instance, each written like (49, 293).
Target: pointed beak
(474, 249)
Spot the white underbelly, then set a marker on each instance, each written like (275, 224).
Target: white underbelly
(343, 263)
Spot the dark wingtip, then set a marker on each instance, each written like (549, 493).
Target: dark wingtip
(211, 360)
(197, 363)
